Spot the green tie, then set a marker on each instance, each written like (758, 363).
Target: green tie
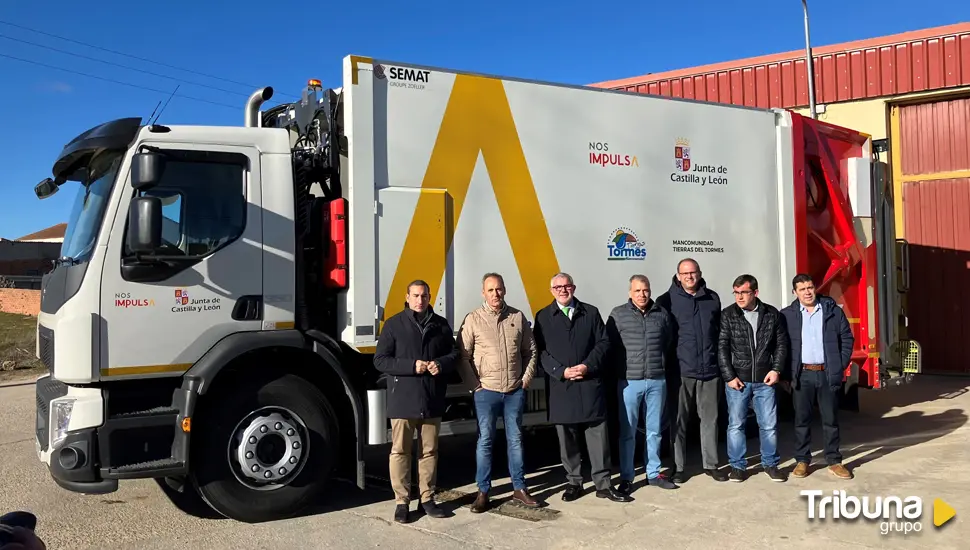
(566, 311)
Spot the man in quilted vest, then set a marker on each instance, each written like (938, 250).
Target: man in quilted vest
(496, 341)
(641, 333)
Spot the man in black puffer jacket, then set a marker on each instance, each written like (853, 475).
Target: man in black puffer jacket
(752, 350)
(640, 336)
(696, 310)
(417, 351)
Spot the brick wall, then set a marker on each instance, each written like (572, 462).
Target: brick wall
(24, 302)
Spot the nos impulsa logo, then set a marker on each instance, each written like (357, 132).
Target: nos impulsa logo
(902, 515)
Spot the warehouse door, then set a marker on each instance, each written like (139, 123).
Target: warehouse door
(931, 164)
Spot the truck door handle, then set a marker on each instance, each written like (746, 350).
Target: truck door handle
(904, 265)
(248, 308)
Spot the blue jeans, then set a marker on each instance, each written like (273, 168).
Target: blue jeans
(761, 397)
(489, 405)
(634, 394)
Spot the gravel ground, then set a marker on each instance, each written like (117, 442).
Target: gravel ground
(908, 441)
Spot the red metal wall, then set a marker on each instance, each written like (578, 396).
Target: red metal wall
(934, 141)
(910, 62)
(935, 137)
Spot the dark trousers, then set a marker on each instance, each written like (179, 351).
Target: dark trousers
(814, 387)
(598, 446)
(704, 397)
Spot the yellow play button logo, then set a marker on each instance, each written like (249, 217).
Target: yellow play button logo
(942, 512)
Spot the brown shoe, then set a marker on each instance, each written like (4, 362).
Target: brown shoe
(481, 503)
(524, 498)
(801, 470)
(840, 471)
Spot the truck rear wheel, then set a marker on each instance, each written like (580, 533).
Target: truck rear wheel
(264, 451)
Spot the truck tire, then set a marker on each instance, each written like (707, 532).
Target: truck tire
(188, 500)
(264, 450)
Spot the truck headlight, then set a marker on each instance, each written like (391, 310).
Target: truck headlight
(61, 410)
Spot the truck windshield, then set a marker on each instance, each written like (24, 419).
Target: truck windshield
(88, 210)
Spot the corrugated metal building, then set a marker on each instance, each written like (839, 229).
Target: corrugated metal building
(911, 92)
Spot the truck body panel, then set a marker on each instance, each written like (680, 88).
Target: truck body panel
(476, 174)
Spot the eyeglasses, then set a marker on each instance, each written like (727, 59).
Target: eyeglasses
(560, 288)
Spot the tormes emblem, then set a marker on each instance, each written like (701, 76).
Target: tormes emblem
(682, 154)
(623, 244)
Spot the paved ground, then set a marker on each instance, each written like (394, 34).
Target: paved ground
(913, 441)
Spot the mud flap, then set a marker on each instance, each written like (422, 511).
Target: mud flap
(850, 390)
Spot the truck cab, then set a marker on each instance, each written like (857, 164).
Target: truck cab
(190, 328)
(182, 246)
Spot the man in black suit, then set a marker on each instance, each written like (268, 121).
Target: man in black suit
(572, 342)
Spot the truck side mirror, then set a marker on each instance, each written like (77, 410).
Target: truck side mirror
(45, 188)
(146, 170)
(145, 224)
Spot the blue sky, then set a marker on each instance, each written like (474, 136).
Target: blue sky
(263, 43)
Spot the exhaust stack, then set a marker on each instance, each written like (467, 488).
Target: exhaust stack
(253, 120)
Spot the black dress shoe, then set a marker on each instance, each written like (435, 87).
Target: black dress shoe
(431, 508)
(625, 487)
(679, 477)
(572, 492)
(613, 495)
(401, 513)
(716, 475)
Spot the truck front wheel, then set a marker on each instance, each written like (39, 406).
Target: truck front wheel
(264, 450)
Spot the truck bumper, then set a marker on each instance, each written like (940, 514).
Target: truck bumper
(67, 435)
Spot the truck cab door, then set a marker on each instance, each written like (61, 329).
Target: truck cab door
(160, 317)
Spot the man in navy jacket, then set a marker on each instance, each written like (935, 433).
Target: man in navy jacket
(821, 349)
(696, 310)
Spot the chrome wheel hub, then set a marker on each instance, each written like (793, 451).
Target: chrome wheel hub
(268, 448)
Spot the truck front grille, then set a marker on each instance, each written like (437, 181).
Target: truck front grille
(42, 428)
(45, 340)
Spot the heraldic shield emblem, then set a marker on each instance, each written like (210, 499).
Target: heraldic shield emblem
(682, 155)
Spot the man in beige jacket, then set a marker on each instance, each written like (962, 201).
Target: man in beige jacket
(496, 341)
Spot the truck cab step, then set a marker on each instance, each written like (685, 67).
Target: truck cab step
(158, 468)
(155, 411)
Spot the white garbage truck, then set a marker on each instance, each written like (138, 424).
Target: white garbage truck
(212, 319)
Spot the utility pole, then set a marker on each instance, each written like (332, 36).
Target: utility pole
(809, 64)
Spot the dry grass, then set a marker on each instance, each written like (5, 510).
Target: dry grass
(17, 347)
